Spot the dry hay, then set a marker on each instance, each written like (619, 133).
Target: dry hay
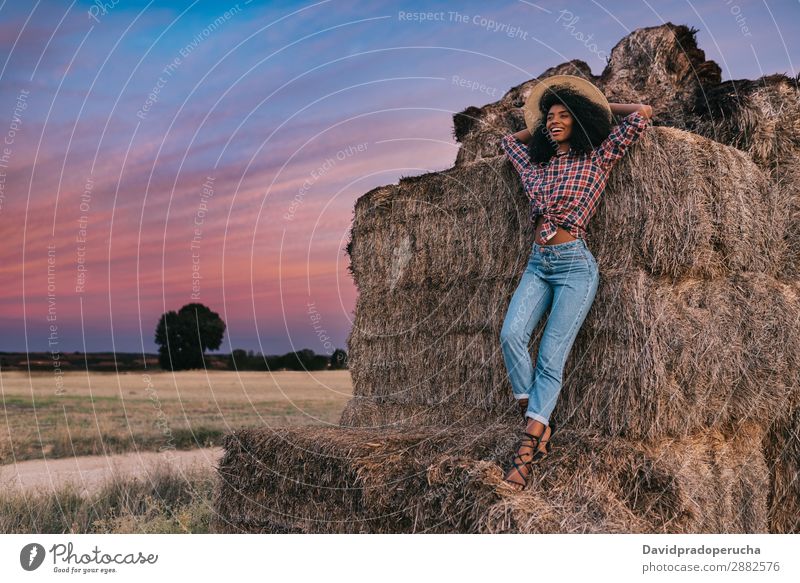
(762, 118)
(782, 452)
(789, 189)
(661, 66)
(652, 358)
(658, 359)
(445, 479)
(376, 411)
(681, 205)
(439, 228)
(677, 205)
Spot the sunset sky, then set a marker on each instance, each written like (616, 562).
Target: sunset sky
(147, 141)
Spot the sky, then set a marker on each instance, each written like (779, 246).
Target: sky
(160, 153)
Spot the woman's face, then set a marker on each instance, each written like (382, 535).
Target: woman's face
(559, 123)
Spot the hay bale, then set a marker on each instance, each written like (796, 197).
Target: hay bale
(681, 205)
(762, 118)
(788, 184)
(782, 452)
(653, 357)
(662, 66)
(656, 358)
(677, 205)
(390, 481)
(439, 229)
(375, 411)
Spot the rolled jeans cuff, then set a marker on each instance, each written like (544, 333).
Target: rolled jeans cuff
(538, 417)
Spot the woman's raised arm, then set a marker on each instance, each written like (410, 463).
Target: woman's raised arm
(628, 108)
(523, 135)
(516, 148)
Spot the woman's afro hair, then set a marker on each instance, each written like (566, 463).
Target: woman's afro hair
(591, 124)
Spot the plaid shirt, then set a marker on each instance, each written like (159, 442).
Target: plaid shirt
(567, 189)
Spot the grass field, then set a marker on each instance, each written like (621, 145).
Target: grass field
(105, 413)
(163, 501)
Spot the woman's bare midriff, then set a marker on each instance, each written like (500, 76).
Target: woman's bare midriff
(561, 236)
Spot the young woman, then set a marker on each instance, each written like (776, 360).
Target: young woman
(564, 166)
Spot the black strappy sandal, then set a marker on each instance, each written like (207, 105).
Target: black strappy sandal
(517, 486)
(538, 454)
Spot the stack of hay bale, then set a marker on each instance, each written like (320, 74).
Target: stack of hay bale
(679, 406)
(762, 118)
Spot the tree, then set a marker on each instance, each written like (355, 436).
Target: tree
(338, 359)
(239, 359)
(300, 359)
(184, 336)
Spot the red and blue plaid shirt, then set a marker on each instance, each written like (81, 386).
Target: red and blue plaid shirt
(567, 189)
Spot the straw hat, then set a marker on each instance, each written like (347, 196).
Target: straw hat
(579, 84)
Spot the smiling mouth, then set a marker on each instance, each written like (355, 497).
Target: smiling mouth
(556, 131)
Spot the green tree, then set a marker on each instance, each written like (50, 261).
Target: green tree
(239, 359)
(184, 336)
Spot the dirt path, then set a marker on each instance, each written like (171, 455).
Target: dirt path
(89, 472)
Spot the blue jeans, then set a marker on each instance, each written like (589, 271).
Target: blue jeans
(564, 277)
